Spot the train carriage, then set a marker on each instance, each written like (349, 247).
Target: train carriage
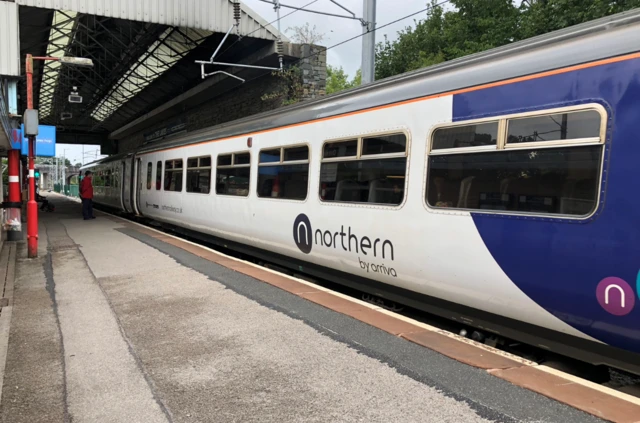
(498, 190)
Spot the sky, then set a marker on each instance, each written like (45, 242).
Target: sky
(75, 153)
(338, 29)
(335, 30)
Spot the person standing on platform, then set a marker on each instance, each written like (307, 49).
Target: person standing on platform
(86, 193)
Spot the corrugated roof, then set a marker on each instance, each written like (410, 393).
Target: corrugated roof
(64, 26)
(210, 15)
(172, 46)
(9, 39)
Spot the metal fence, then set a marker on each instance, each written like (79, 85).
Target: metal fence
(69, 190)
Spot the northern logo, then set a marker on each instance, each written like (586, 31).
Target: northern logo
(616, 295)
(372, 249)
(302, 233)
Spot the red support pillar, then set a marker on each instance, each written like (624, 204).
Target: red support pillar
(14, 176)
(13, 206)
(32, 206)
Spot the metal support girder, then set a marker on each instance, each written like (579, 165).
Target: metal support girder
(84, 36)
(202, 63)
(319, 12)
(140, 39)
(171, 40)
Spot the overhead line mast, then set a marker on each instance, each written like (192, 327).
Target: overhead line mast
(368, 22)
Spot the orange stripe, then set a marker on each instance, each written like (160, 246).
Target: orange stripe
(460, 91)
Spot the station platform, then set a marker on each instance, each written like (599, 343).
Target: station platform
(117, 322)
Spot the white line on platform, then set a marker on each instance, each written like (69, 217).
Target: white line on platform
(589, 384)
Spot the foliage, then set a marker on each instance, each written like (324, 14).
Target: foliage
(477, 25)
(290, 90)
(305, 34)
(338, 80)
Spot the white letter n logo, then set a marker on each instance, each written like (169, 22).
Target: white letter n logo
(606, 294)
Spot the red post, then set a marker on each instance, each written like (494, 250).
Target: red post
(14, 176)
(13, 208)
(32, 206)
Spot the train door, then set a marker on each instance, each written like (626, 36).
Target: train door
(137, 184)
(125, 193)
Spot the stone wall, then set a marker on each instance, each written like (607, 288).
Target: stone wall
(314, 71)
(263, 94)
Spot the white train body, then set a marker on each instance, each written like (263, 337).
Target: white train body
(447, 260)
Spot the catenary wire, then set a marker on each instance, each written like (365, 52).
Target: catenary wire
(265, 26)
(352, 38)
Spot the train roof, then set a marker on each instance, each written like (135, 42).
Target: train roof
(611, 36)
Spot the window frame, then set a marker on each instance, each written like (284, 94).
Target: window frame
(187, 168)
(233, 166)
(502, 146)
(149, 175)
(502, 120)
(173, 169)
(159, 173)
(359, 156)
(282, 162)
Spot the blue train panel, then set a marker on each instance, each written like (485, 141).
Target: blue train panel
(582, 271)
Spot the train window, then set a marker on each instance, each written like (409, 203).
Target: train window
(199, 174)
(116, 177)
(552, 127)
(173, 175)
(149, 174)
(386, 144)
(98, 180)
(233, 174)
(284, 173)
(270, 156)
(340, 149)
(552, 178)
(477, 135)
(365, 177)
(225, 159)
(296, 153)
(241, 159)
(159, 175)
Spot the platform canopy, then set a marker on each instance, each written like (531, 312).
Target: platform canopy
(143, 53)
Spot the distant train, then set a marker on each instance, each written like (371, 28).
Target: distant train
(501, 190)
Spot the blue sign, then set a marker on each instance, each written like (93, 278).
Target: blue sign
(16, 139)
(45, 141)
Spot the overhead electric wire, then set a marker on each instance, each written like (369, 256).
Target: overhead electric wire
(352, 38)
(265, 27)
(375, 29)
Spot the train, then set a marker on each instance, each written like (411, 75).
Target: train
(495, 190)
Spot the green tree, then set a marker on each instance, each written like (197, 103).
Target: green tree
(416, 47)
(478, 25)
(538, 17)
(338, 80)
(357, 80)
